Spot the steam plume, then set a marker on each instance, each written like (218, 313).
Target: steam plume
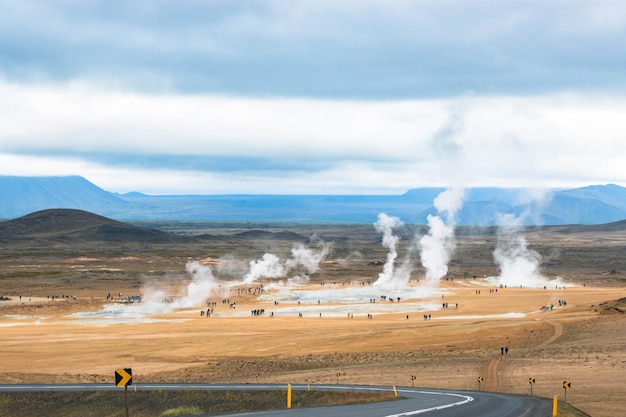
(201, 286)
(437, 246)
(385, 225)
(302, 259)
(519, 265)
(231, 267)
(306, 258)
(268, 267)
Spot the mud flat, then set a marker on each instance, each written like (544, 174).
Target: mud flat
(348, 327)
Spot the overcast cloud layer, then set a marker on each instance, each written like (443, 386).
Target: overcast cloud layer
(323, 97)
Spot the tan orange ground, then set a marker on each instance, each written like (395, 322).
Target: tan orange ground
(580, 342)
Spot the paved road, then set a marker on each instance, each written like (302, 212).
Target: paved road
(415, 401)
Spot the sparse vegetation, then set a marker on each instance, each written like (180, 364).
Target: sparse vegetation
(179, 411)
(170, 403)
(566, 410)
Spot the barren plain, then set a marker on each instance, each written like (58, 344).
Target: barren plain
(62, 318)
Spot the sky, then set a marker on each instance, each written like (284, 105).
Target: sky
(314, 97)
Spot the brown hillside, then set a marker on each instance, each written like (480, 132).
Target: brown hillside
(77, 225)
(615, 306)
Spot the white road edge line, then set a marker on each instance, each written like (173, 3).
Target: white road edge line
(466, 400)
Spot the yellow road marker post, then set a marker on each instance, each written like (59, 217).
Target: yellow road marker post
(288, 395)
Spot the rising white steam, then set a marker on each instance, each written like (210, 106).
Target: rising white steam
(203, 284)
(303, 260)
(230, 267)
(303, 257)
(268, 267)
(385, 225)
(437, 246)
(402, 274)
(519, 265)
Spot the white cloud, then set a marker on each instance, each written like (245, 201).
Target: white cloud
(86, 119)
(307, 145)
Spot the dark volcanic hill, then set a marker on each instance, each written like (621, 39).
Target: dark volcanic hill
(69, 225)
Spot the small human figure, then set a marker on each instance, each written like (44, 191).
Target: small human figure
(506, 350)
(502, 350)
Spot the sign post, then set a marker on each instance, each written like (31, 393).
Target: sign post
(413, 377)
(532, 382)
(338, 375)
(124, 378)
(480, 381)
(566, 385)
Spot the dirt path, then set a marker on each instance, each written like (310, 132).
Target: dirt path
(558, 332)
(491, 379)
(492, 383)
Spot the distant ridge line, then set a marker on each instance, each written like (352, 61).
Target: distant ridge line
(595, 204)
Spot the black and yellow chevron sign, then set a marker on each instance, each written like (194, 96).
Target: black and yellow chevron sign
(123, 377)
(567, 384)
(480, 379)
(531, 380)
(413, 377)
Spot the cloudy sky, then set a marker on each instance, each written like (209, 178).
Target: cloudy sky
(314, 97)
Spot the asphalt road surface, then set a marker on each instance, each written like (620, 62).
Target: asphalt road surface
(413, 401)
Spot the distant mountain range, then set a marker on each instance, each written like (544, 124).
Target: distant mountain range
(595, 204)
